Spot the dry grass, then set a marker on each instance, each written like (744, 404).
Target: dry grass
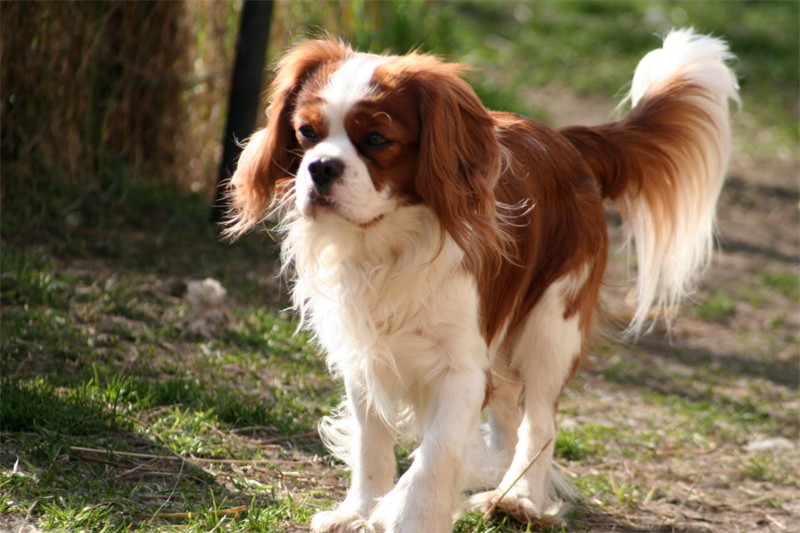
(143, 83)
(84, 79)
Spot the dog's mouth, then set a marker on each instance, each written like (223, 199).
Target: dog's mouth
(371, 223)
(319, 200)
(325, 204)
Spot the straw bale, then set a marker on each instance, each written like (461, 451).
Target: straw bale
(87, 85)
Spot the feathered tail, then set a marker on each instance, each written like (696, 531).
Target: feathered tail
(663, 165)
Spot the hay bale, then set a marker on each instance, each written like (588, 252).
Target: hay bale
(88, 82)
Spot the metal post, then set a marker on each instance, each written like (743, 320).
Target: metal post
(248, 70)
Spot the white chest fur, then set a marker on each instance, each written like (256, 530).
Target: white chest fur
(387, 302)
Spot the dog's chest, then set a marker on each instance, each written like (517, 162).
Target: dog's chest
(393, 305)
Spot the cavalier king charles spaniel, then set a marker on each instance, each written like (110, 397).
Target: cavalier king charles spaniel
(448, 258)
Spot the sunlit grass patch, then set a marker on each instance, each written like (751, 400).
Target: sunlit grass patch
(608, 489)
(218, 399)
(29, 279)
(768, 466)
(475, 522)
(39, 405)
(718, 306)
(76, 514)
(785, 283)
(584, 442)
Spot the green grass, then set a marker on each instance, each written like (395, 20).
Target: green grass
(785, 283)
(583, 442)
(718, 306)
(97, 359)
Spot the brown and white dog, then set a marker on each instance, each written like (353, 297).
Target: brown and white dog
(448, 258)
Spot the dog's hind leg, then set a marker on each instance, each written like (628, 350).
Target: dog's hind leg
(545, 352)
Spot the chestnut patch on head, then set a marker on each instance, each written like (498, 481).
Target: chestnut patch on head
(386, 137)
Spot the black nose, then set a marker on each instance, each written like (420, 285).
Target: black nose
(324, 171)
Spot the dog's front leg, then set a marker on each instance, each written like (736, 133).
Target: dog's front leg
(426, 496)
(369, 444)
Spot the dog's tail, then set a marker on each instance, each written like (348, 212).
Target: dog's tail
(663, 165)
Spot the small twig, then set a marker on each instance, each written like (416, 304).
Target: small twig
(29, 514)
(174, 488)
(253, 429)
(220, 512)
(145, 467)
(284, 438)
(98, 460)
(496, 501)
(219, 524)
(649, 495)
(686, 451)
(776, 522)
(233, 461)
(172, 457)
(129, 454)
(142, 466)
(689, 493)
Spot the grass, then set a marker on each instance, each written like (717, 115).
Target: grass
(786, 283)
(114, 417)
(97, 359)
(719, 306)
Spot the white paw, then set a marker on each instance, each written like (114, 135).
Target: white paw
(386, 514)
(517, 506)
(339, 521)
(396, 513)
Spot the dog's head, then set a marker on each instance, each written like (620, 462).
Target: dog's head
(359, 136)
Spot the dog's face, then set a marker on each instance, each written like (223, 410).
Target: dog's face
(360, 146)
(359, 136)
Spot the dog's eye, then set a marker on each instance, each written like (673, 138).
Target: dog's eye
(375, 140)
(307, 133)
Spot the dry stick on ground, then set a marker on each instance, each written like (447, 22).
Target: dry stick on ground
(219, 512)
(285, 438)
(495, 502)
(252, 429)
(219, 524)
(183, 460)
(173, 457)
(174, 489)
(99, 460)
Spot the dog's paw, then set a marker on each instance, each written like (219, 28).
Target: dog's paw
(397, 513)
(385, 516)
(517, 506)
(395, 523)
(340, 521)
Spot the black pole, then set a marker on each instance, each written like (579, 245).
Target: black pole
(248, 70)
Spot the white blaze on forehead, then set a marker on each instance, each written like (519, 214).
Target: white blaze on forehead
(353, 194)
(347, 86)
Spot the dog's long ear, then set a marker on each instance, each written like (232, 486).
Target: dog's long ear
(459, 158)
(271, 156)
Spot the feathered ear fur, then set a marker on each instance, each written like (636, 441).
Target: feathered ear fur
(271, 156)
(459, 158)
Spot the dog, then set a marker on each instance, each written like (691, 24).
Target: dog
(448, 258)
